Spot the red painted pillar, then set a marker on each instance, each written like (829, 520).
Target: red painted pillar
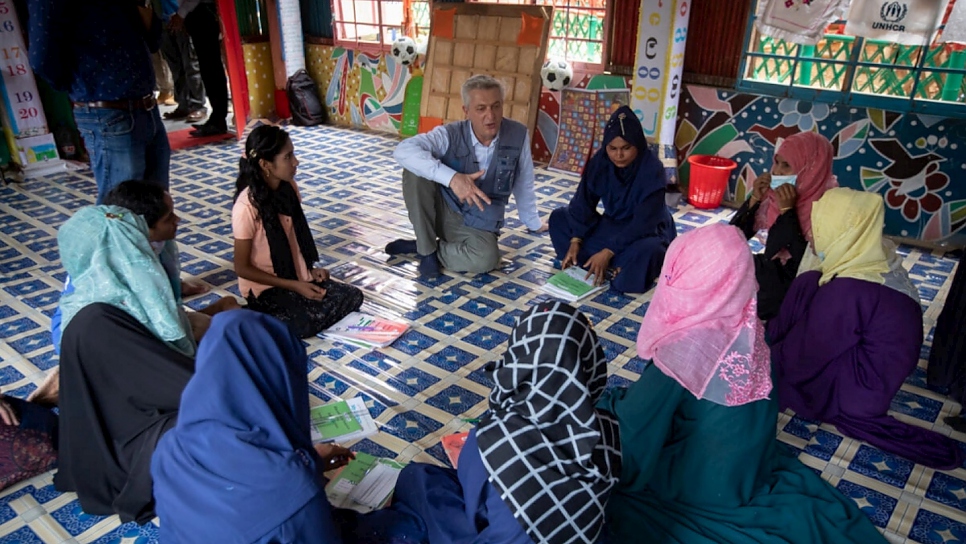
(236, 63)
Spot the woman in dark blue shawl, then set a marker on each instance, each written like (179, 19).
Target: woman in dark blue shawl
(632, 235)
(240, 465)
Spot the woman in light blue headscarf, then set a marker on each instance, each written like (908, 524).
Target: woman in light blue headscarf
(155, 206)
(106, 252)
(127, 354)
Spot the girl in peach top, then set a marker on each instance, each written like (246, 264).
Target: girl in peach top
(274, 249)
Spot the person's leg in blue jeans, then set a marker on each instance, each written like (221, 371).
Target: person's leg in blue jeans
(157, 164)
(124, 145)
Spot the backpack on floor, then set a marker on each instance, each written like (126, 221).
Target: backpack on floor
(303, 98)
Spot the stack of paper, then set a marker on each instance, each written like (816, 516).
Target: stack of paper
(365, 484)
(365, 331)
(341, 421)
(570, 285)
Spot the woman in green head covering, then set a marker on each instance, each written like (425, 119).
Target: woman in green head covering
(106, 252)
(127, 354)
(153, 204)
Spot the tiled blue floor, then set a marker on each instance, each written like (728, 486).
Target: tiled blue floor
(878, 506)
(422, 387)
(882, 466)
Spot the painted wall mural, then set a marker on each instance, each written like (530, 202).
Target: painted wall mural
(914, 161)
(361, 90)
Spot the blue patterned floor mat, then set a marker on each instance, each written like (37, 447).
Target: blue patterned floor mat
(423, 386)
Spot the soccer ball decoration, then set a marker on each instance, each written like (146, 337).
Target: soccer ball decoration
(556, 74)
(404, 49)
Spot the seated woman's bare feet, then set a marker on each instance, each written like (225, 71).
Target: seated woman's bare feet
(199, 324)
(192, 288)
(48, 394)
(222, 305)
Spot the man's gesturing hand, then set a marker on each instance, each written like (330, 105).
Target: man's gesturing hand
(464, 185)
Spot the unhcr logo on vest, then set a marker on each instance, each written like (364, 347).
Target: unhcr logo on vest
(891, 14)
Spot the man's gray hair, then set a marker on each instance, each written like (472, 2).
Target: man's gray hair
(481, 82)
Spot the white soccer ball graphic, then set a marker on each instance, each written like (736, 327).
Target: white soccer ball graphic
(404, 49)
(556, 74)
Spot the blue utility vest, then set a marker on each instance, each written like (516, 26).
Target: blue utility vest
(500, 176)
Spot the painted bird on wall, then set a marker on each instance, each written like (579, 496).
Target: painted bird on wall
(911, 183)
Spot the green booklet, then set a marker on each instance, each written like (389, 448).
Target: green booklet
(365, 484)
(341, 421)
(571, 285)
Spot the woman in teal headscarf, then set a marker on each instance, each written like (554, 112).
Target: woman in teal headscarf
(106, 251)
(126, 355)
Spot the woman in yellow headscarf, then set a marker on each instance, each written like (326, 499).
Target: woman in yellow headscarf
(849, 333)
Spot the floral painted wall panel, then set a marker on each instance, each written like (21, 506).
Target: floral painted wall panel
(915, 161)
(361, 90)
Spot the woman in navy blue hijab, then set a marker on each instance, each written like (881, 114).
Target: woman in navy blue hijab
(632, 235)
(240, 465)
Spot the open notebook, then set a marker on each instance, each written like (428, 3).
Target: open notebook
(366, 331)
(570, 285)
(365, 484)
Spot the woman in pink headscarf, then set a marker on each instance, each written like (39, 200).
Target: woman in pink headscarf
(781, 202)
(700, 462)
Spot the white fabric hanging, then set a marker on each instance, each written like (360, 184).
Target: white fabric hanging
(908, 22)
(798, 21)
(956, 25)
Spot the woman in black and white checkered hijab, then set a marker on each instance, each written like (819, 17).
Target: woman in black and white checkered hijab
(550, 454)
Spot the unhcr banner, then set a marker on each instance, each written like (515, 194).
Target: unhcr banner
(956, 25)
(909, 22)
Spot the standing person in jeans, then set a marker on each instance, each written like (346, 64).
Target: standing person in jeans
(200, 19)
(180, 54)
(99, 51)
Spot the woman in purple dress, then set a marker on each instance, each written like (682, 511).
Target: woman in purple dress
(848, 334)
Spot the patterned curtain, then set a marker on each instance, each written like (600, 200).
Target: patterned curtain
(623, 38)
(714, 58)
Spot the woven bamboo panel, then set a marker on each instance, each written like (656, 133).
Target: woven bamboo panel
(508, 42)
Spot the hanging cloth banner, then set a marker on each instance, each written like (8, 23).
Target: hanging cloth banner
(661, 39)
(798, 21)
(21, 101)
(293, 44)
(955, 30)
(908, 22)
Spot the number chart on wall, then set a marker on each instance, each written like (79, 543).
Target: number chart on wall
(662, 36)
(21, 101)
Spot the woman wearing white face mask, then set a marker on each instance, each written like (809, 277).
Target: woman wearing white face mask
(781, 202)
